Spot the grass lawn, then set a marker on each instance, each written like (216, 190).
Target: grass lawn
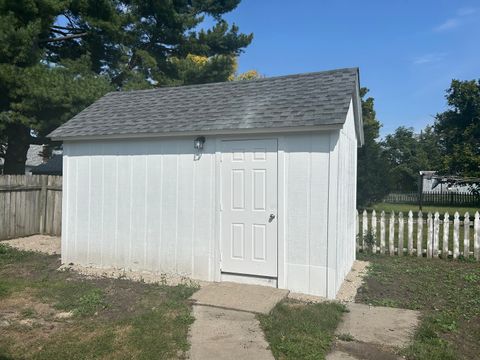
(296, 330)
(405, 208)
(50, 314)
(446, 292)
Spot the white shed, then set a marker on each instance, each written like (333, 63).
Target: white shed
(248, 181)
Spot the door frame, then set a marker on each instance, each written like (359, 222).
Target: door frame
(281, 206)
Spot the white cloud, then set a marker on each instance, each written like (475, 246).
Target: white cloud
(447, 25)
(461, 17)
(429, 58)
(466, 11)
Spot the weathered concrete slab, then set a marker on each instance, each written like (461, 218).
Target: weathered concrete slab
(226, 334)
(340, 355)
(379, 325)
(359, 350)
(251, 298)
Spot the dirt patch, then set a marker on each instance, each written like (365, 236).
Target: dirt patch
(39, 243)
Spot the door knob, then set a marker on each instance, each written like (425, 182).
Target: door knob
(272, 216)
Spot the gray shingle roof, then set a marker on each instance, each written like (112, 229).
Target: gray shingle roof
(304, 100)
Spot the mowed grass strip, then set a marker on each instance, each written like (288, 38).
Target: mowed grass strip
(296, 330)
(51, 314)
(446, 292)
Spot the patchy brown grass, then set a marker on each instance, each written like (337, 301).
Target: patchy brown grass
(50, 314)
(446, 292)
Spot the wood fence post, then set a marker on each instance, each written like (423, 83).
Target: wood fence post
(466, 235)
(43, 204)
(456, 233)
(374, 231)
(436, 234)
(476, 236)
(446, 225)
(364, 228)
(410, 233)
(420, 234)
(429, 234)
(357, 230)
(400, 233)
(391, 234)
(382, 232)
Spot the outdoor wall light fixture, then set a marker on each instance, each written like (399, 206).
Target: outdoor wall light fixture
(198, 143)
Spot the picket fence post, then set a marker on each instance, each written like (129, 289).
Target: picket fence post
(446, 225)
(374, 231)
(456, 233)
(364, 228)
(357, 230)
(391, 234)
(429, 234)
(419, 234)
(382, 232)
(476, 236)
(466, 235)
(400, 234)
(410, 233)
(436, 233)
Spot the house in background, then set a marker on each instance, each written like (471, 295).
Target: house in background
(431, 184)
(34, 158)
(37, 164)
(246, 181)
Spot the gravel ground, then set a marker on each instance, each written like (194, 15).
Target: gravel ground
(353, 281)
(39, 243)
(134, 275)
(347, 291)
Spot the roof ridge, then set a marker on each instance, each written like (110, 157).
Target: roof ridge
(161, 88)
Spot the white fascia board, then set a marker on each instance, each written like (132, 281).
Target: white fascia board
(328, 127)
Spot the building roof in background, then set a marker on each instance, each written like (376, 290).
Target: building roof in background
(304, 100)
(53, 166)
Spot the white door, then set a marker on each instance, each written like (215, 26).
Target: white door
(249, 207)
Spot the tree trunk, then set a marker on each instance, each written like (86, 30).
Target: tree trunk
(18, 142)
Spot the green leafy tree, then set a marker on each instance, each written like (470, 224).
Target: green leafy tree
(372, 183)
(401, 150)
(59, 56)
(458, 129)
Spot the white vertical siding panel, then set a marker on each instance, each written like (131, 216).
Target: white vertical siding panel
(318, 213)
(82, 209)
(204, 232)
(66, 194)
(138, 207)
(95, 204)
(123, 210)
(168, 251)
(154, 204)
(298, 147)
(332, 215)
(110, 200)
(185, 216)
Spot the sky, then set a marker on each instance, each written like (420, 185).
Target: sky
(407, 51)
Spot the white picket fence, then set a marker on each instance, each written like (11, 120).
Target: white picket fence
(431, 236)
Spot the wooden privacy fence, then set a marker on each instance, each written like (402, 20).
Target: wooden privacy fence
(434, 236)
(433, 198)
(30, 204)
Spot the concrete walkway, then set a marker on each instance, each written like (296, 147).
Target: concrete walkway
(225, 325)
(375, 332)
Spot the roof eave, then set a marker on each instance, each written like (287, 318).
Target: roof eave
(279, 130)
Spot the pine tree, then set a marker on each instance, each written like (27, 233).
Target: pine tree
(58, 56)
